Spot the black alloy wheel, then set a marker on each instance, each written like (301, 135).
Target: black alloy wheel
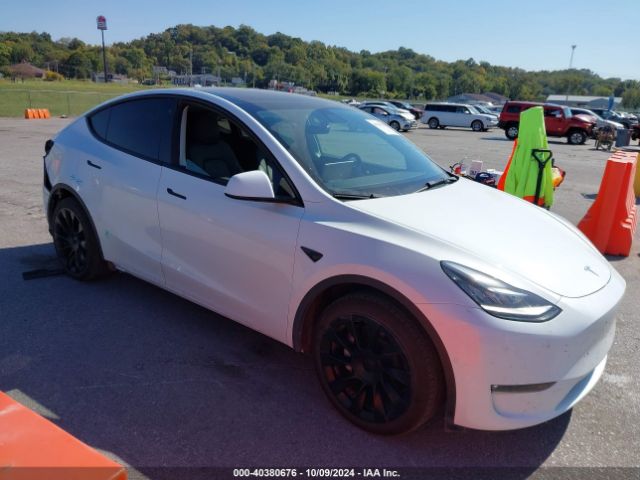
(366, 370)
(71, 241)
(377, 365)
(76, 245)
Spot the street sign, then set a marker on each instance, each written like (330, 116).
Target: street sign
(102, 22)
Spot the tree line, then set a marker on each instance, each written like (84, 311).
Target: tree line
(257, 58)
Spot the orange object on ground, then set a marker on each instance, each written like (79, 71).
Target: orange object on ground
(503, 177)
(33, 448)
(611, 221)
(31, 113)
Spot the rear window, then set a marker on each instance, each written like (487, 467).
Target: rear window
(100, 123)
(139, 127)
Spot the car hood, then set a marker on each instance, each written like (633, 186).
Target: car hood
(501, 230)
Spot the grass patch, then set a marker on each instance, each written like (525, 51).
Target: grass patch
(68, 97)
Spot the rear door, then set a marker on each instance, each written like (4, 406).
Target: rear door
(448, 115)
(124, 171)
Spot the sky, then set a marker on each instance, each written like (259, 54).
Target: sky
(529, 34)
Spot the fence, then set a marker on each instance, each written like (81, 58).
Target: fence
(14, 102)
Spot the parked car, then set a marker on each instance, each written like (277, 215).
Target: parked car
(391, 116)
(416, 112)
(391, 107)
(558, 121)
(441, 115)
(317, 225)
(595, 118)
(614, 116)
(483, 109)
(635, 132)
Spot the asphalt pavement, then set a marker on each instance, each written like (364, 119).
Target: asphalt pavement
(157, 382)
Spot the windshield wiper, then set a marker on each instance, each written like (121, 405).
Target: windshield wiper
(438, 183)
(352, 196)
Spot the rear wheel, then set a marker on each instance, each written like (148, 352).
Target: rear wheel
(76, 245)
(477, 126)
(577, 137)
(376, 365)
(433, 123)
(511, 131)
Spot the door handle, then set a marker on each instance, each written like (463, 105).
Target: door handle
(91, 164)
(175, 194)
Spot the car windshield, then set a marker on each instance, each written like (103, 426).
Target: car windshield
(346, 151)
(475, 109)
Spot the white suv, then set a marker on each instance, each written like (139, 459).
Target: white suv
(441, 115)
(322, 227)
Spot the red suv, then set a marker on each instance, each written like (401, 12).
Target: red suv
(558, 121)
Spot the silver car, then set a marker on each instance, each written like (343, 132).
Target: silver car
(391, 116)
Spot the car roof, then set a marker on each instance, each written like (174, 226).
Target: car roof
(248, 99)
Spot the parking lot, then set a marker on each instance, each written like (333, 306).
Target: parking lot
(155, 381)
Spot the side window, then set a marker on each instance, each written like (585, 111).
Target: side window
(100, 123)
(552, 112)
(513, 109)
(214, 146)
(140, 127)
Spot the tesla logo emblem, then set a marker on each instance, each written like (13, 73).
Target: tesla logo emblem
(589, 269)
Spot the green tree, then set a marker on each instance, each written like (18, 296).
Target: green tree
(631, 98)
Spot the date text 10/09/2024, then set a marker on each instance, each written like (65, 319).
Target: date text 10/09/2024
(317, 472)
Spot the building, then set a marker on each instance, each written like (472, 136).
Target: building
(204, 79)
(113, 78)
(584, 101)
(25, 70)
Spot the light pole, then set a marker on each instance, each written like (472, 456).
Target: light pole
(102, 26)
(573, 49)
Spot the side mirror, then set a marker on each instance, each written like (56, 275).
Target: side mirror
(254, 185)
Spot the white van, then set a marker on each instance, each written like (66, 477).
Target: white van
(441, 115)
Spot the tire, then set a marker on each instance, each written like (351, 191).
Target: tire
(577, 137)
(511, 131)
(477, 126)
(376, 365)
(433, 123)
(75, 242)
(395, 125)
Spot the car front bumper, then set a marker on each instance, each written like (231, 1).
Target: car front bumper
(511, 374)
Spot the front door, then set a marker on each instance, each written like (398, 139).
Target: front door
(232, 256)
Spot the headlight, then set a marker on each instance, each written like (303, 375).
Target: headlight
(498, 298)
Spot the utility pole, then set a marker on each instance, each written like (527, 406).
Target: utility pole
(102, 26)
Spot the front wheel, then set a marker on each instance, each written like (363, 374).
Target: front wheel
(477, 126)
(577, 137)
(76, 245)
(395, 125)
(376, 364)
(511, 132)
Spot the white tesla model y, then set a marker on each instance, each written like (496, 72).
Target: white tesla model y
(319, 226)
